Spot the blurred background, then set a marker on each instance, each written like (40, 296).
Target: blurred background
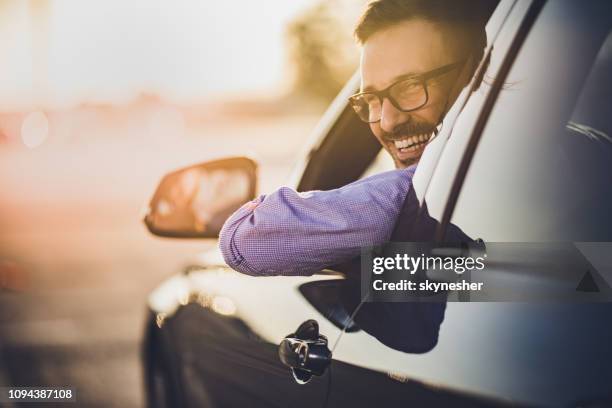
(97, 101)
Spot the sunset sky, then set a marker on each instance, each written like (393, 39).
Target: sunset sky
(57, 54)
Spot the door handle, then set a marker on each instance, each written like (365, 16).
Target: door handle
(305, 352)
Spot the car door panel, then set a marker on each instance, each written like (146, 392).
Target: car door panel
(222, 330)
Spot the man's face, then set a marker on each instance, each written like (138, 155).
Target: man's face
(410, 47)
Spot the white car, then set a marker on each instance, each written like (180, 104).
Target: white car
(525, 158)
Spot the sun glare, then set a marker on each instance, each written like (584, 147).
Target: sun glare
(34, 129)
(59, 54)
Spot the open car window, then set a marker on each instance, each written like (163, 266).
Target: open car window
(381, 163)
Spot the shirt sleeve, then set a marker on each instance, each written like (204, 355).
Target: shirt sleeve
(291, 233)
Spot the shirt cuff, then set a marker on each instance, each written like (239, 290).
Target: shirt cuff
(227, 243)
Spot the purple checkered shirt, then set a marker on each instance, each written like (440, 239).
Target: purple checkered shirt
(291, 233)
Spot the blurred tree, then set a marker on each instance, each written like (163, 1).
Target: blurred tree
(322, 51)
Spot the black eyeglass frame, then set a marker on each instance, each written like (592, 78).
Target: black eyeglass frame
(386, 93)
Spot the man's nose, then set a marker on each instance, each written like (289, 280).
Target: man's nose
(390, 116)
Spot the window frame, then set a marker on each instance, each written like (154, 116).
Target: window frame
(477, 131)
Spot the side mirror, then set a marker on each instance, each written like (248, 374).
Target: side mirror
(195, 201)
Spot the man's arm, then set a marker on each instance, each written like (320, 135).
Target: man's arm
(290, 233)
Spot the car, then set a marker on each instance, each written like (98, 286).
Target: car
(525, 157)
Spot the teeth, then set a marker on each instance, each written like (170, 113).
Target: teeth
(411, 142)
(400, 144)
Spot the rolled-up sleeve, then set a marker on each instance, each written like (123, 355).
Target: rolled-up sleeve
(291, 233)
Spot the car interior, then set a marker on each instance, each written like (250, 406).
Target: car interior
(344, 155)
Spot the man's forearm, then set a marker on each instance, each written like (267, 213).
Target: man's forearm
(290, 233)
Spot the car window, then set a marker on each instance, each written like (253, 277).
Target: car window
(457, 133)
(330, 164)
(381, 163)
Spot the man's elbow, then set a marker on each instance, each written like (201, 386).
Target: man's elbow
(235, 250)
(229, 251)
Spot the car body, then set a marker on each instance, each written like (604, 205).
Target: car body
(524, 158)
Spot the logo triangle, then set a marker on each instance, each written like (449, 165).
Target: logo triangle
(587, 283)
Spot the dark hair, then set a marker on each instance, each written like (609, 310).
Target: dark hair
(470, 16)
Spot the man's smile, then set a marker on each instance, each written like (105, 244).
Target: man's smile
(412, 143)
(409, 147)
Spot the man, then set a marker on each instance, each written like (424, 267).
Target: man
(417, 56)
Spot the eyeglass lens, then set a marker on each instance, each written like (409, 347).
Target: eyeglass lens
(405, 95)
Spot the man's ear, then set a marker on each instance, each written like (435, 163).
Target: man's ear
(467, 71)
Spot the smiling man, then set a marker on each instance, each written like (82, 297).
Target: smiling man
(417, 56)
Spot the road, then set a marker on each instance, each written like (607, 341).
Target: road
(70, 229)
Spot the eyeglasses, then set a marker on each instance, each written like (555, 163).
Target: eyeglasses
(407, 94)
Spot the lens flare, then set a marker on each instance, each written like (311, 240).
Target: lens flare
(34, 129)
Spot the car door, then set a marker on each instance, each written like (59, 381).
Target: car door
(557, 195)
(543, 148)
(530, 162)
